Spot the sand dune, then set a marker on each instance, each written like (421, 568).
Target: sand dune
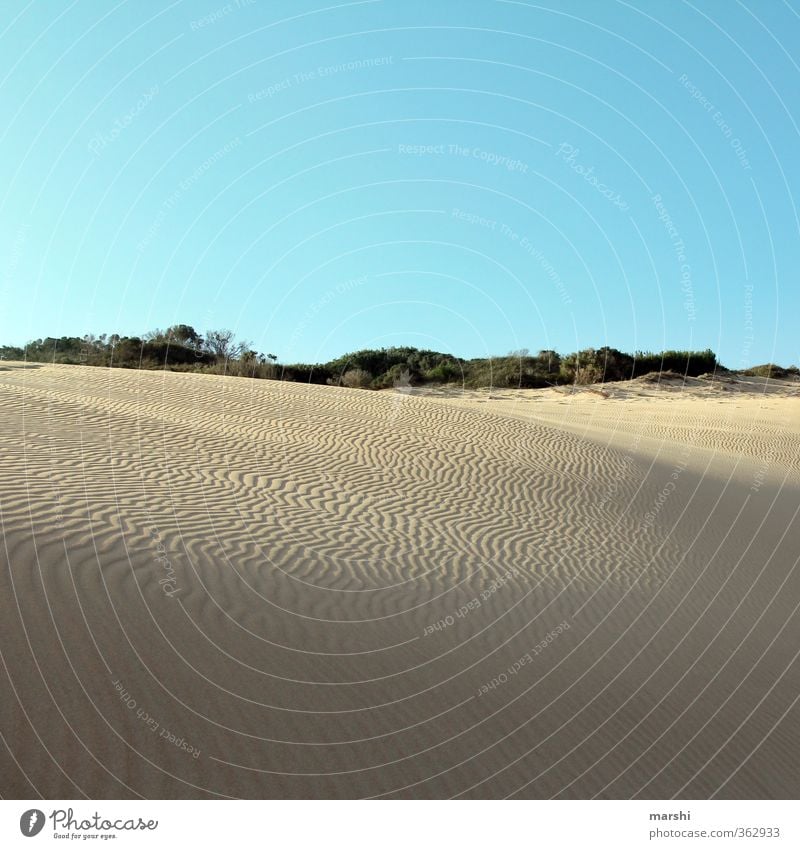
(218, 587)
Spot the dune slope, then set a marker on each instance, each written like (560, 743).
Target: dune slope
(216, 587)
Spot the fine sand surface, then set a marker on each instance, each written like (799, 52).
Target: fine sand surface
(217, 587)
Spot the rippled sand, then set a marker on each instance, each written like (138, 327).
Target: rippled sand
(222, 587)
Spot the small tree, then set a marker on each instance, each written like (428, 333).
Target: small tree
(221, 344)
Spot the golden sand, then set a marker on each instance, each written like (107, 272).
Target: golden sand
(225, 587)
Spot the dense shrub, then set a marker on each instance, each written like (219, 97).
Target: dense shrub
(400, 374)
(303, 373)
(687, 363)
(444, 373)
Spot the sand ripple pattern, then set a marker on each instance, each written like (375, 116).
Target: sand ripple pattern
(309, 591)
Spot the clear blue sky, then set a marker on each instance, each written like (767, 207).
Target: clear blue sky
(470, 176)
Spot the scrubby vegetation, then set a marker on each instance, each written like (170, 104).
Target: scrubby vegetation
(178, 348)
(182, 348)
(516, 369)
(773, 371)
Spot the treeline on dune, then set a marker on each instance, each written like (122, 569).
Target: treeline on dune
(182, 348)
